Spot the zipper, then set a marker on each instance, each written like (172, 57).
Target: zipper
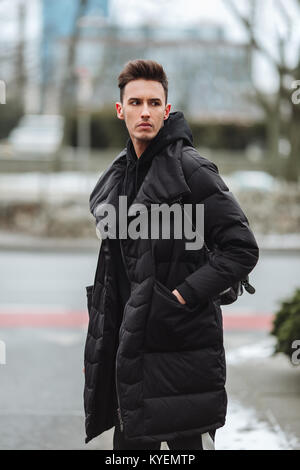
(123, 258)
(118, 399)
(119, 406)
(249, 288)
(176, 200)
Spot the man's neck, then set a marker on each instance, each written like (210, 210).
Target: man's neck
(140, 146)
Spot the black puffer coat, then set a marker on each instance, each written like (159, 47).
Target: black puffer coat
(170, 373)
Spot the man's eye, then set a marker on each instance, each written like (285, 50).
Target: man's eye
(155, 103)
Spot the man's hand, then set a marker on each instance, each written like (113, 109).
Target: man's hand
(179, 297)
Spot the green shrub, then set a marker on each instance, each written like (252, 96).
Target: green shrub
(224, 135)
(108, 131)
(286, 324)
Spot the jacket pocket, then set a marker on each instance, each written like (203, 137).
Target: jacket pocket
(98, 299)
(173, 298)
(172, 326)
(95, 297)
(218, 312)
(89, 295)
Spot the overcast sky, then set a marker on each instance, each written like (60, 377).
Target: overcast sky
(175, 12)
(178, 13)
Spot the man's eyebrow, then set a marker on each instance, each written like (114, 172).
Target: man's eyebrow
(150, 99)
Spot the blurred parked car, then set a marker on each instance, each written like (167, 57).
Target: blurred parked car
(251, 181)
(37, 134)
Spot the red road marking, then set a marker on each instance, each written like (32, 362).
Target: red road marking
(248, 322)
(80, 318)
(44, 319)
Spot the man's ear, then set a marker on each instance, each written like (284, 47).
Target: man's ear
(167, 111)
(119, 109)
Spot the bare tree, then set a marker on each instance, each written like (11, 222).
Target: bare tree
(69, 78)
(68, 84)
(20, 61)
(282, 114)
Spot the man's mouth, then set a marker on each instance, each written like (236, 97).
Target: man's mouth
(145, 125)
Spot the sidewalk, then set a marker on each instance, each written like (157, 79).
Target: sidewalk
(266, 383)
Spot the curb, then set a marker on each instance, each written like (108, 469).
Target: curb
(17, 242)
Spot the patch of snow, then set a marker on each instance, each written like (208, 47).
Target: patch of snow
(244, 431)
(35, 185)
(259, 350)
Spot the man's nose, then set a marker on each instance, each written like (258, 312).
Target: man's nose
(145, 111)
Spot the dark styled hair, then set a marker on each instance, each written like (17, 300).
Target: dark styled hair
(142, 69)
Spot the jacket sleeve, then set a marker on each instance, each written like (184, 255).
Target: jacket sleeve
(226, 232)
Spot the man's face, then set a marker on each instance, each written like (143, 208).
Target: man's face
(143, 109)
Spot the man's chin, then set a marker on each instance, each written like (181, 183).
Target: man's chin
(146, 136)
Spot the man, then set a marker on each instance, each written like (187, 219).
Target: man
(154, 356)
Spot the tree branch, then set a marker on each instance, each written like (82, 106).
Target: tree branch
(253, 41)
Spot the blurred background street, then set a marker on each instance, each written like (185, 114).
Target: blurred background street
(236, 77)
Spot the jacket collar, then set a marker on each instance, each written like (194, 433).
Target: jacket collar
(164, 182)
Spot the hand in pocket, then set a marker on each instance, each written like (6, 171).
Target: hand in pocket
(178, 296)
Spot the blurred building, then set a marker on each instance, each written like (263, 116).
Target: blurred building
(59, 20)
(210, 78)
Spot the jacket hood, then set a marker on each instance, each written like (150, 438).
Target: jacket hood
(174, 128)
